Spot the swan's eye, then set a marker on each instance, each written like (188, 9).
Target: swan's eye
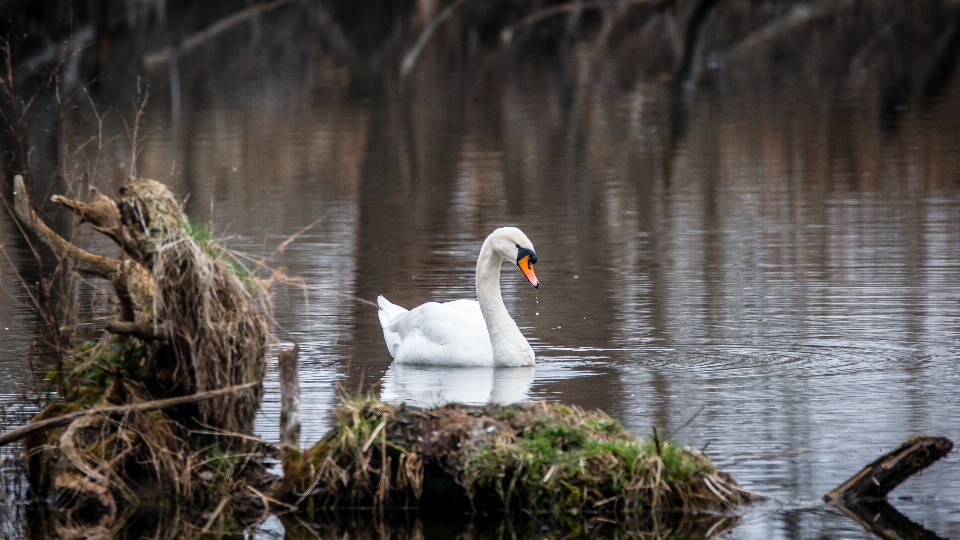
(524, 252)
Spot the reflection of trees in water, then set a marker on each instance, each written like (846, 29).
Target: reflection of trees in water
(686, 160)
(575, 117)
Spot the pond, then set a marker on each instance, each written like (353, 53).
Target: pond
(779, 285)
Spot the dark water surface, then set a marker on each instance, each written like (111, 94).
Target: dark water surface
(781, 285)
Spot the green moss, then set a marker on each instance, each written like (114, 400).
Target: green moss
(561, 409)
(676, 460)
(93, 366)
(608, 425)
(535, 457)
(557, 459)
(203, 236)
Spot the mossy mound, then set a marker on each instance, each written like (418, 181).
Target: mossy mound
(535, 457)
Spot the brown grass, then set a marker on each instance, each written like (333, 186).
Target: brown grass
(536, 458)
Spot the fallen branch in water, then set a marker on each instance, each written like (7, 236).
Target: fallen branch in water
(864, 496)
(50, 423)
(890, 470)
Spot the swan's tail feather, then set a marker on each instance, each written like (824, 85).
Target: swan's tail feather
(388, 313)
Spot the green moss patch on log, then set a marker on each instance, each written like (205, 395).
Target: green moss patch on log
(536, 457)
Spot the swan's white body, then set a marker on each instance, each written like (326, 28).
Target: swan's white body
(465, 332)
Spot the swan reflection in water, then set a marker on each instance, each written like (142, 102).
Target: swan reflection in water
(432, 386)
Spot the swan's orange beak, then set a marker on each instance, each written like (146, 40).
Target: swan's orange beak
(526, 266)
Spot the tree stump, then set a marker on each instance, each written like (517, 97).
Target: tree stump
(187, 324)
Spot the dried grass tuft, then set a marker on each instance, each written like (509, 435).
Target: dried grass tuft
(536, 458)
(215, 333)
(221, 325)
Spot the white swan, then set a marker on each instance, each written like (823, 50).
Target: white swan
(466, 332)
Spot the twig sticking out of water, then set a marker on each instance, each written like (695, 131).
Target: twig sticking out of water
(683, 426)
(287, 360)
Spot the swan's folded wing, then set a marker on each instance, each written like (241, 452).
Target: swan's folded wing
(449, 323)
(452, 333)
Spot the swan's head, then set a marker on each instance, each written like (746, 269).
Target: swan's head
(513, 245)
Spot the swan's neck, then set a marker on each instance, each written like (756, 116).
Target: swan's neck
(509, 345)
(488, 290)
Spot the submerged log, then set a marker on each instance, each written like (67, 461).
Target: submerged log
(864, 496)
(890, 470)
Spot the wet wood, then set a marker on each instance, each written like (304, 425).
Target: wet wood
(144, 331)
(103, 214)
(86, 262)
(290, 420)
(60, 421)
(890, 470)
(101, 211)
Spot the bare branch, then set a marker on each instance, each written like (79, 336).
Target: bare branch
(411, 57)
(217, 28)
(60, 421)
(87, 263)
(883, 475)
